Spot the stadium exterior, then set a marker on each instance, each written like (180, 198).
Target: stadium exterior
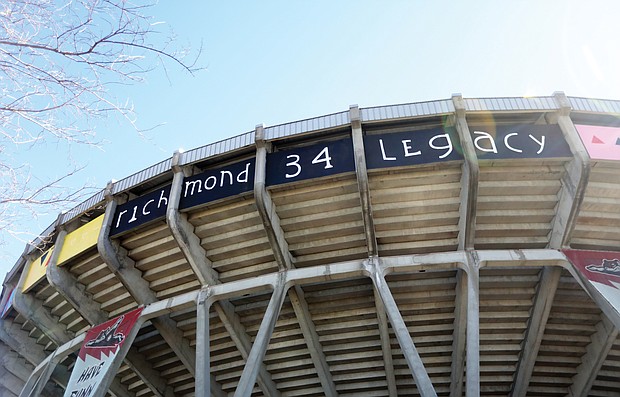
(452, 247)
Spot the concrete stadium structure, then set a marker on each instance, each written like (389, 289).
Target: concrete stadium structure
(419, 249)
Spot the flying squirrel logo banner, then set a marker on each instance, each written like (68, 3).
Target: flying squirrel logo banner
(101, 345)
(602, 269)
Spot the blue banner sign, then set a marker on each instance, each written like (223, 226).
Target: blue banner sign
(140, 210)
(199, 189)
(385, 150)
(412, 148)
(309, 162)
(218, 183)
(519, 141)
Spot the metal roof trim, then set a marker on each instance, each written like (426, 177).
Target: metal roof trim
(407, 110)
(216, 148)
(313, 124)
(510, 104)
(81, 208)
(594, 105)
(141, 176)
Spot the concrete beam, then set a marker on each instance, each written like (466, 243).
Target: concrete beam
(261, 342)
(265, 206)
(469, 180)
(459, 335)
(362, 180)
(308, 329)
(386, 346)
(183, 231)
(10, 361)
(33, 309)
(574, 181)
(545, 293)
(472, 368)
(203, 341)
(24, 345)
(37, 382)
(19, 341)
(372, 244)
(420, 376)
(10, 381)
(18, 367)
(601, 343)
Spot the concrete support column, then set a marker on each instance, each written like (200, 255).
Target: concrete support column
(472, 382)
(362, 180)
(183, 231)
(21, 343)
(38, 379)
(265, 206)
(420, 376)
(203, 352)
(459, 335)
(261, 342)
(574, 181)
(33, 309)
(545, 293)
(308, 329)
(469, 180)
(361, 171)
(601, 343)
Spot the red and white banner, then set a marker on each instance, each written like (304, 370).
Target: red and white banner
(602, 269)
(101, 345)
(602, 143)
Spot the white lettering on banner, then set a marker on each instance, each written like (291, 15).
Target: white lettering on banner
(163, 200)
(91, 372)
(448, 146)
(85, 392)
(225, 178)
(294, 163)
(491, 147)
(407, 148)
(386, 158)
(322, 157)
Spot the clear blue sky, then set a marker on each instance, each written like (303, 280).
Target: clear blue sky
(273, 62)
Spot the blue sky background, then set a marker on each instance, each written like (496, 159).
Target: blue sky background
(277, 61)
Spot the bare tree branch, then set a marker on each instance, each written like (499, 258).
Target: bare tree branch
(59, 60)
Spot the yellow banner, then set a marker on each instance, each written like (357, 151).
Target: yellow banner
(36, 270)
(80, 240)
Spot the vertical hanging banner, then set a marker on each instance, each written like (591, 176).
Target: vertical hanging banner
(101, 345)
(602, 269)
(602, 143)
(7, 305)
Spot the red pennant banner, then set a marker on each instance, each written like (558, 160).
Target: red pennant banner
(101, 345)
